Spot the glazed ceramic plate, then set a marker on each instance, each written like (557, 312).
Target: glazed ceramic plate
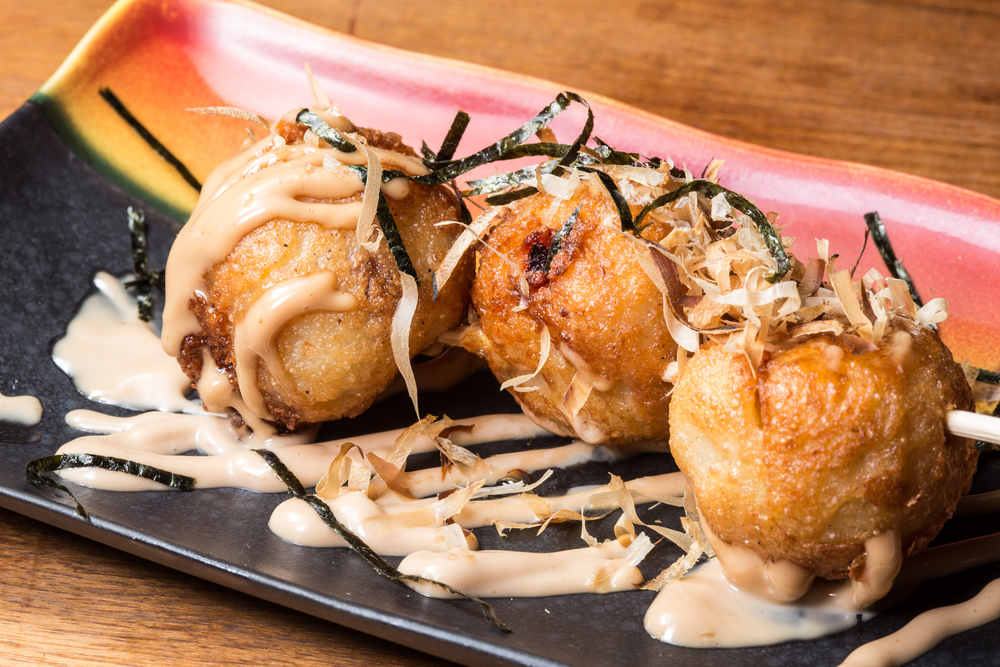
(69, 167)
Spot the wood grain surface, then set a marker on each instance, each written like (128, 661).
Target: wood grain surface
(912, 85)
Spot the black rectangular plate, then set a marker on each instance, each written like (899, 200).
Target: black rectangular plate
(60, 222)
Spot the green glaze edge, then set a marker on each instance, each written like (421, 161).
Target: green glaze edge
(64, 126)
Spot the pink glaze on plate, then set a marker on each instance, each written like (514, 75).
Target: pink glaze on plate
(209, 52)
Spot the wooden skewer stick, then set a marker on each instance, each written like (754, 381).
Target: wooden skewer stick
(978, 427)
(973, 425)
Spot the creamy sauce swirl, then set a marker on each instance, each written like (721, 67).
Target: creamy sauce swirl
(928, 630)
(116, 358)
(523, 574)
(735, 600)
(23, 410)
(265, 181)
(256, 336)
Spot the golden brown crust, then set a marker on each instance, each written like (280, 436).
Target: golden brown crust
(603, 314)
(389, 141)
(825, 448)
(338, 361)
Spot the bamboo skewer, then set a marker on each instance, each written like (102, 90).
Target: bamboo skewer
(973, 425)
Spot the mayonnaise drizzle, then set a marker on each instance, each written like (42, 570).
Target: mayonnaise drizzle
(928, 630)
(740, 599)
(703, 610)
(256, 335)
(304, 182)
(160, 440)
(775, 581)
(296, 522)
(523, 574)
(444, 552)
(267, 180)
(114, 357)
(24, 410)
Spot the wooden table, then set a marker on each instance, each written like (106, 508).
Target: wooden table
(912, 85)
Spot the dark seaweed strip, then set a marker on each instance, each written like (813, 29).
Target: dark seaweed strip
(429, 155)
(582, 139)
(611, 156)
(739, 202)
(895, 266)
(388, 224)
(604, 154)
(35, 472)
(510, 179)
(447, 171)
(564, 231)
(324, 131)
(989, 377)
(140, 264)
(391, 232)
(509, 197)
(387, 174)
(145, 278)
(547, 149)
(281, 471)
(148, 137)
(454, 136)
(295, 488)
(624, 212)
(515, 178)
(466, 215)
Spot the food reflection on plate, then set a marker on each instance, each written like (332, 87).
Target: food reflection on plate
(604, 284)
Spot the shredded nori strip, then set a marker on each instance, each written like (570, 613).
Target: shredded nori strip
(564, 231)
(739, 202)
(514, 178)
(454, 136)
(544, 148)
(466, 215)
(358, 545)
(388, 223)
(446, 171)
(324, 131)
(34, 472)
(989, 377)
(148, 137)
(624, 212)
(609, 155)
(509, 179)
(387, 174)
(582, 139)
(895, 266)
(510, 197)
(145, 278)
(429, 155)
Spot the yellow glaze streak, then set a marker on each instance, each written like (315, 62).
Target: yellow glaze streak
(156, 82)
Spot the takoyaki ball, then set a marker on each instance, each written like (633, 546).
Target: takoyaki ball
(604, 317)
(831, 442)
(334, 362)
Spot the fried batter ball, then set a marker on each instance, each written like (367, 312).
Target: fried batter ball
(333, 362)
(604, 318)
(828, 445)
